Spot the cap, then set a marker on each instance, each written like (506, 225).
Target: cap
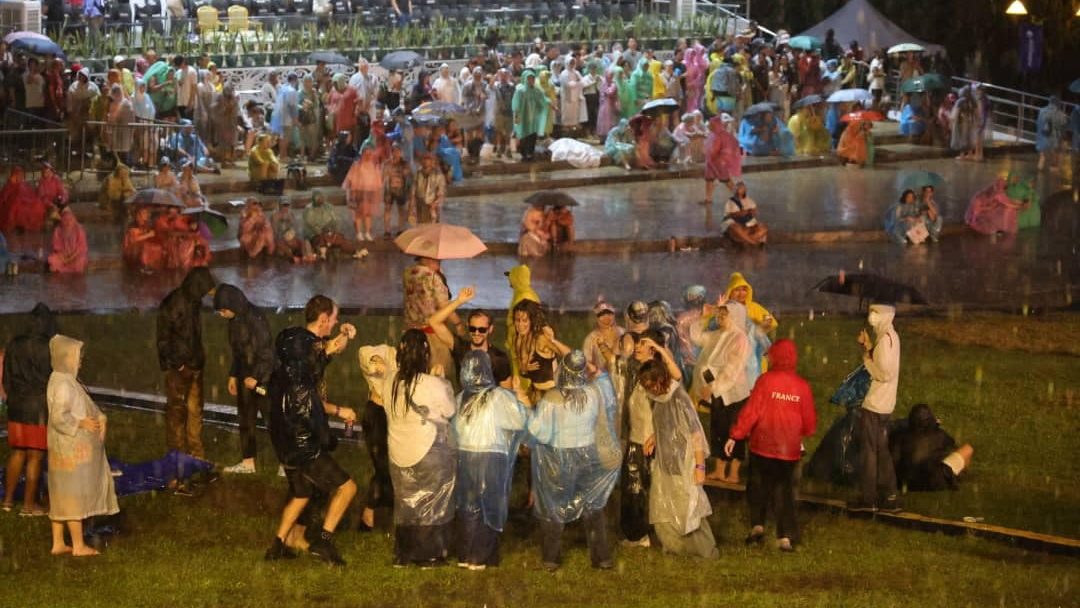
(603, 307)
(637, 311)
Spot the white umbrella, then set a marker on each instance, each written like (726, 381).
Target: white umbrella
(906, 47)
(850, 95)
(440, 242)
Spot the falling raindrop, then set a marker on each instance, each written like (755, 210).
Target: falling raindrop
(978, 375)
(1050, 390)
(860, 264)
(811, 314)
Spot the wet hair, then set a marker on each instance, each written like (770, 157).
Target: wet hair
(525, 345)
(413, 358)
(905, 193)
(318, 305)
(480, 312)
(654, 373)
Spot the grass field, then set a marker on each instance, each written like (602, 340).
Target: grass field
(1015, 400)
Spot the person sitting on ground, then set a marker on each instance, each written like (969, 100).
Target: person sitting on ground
(903, 222)
(740, 222)
(187, 145)
(115, 190)
(165, 178)
(255, 233)
(50, 188)
(991, 211)
(21, 210)
(262, 161)
(926, 458)
(188, 188)
(856, 146)
(929, 212)
(642, 127)
(142, 248)
(811, 136)
(80, 482)
(559, 223)
(288, 235)
(69, 249)
(619, 144)
(321, 227)
(765, 135)
(533, 240)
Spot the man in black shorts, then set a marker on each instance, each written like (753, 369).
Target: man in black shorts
(299, 428)
(479, 337)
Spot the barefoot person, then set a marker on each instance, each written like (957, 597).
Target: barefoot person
(80, 483)
(300, 430)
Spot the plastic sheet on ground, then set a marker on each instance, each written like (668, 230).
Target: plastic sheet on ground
(577, 153)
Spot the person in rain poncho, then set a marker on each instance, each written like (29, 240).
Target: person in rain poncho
(778, 415)
(1020, 188)
(903, 223)
(488, 427)
(765, 135)
(991, 211)
(856, 145)
(619, 144)
(930, 212)
(69, 249)
(759, 324)
(252, 347)
(926, 457)
(627, 96)
(723, 157)
(608, 112)
(572, 110)
(874, 469)
(1050, 127)
(682, 135)
(659, 83)
(641, 81)
(913, 121)
(255, 233)
(423, 456)
(719, 379)
(529, 105)
(300, 429)
(696, 67)
(551, 100)
(21, 209)
(445, 87)
(575, 460)
(678, 506)
(378, 364)
(284, 121)
(811, 136)
(964, 120)
(80, 482)
(144, 112)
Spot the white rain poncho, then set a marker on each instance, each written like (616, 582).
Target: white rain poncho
(489, 426)
(675, 498)
(575, 453)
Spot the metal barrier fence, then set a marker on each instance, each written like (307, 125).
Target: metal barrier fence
(27, 139)
(1014, 112)
(139, 145)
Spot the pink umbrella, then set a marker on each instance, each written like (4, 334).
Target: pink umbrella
(440, 242)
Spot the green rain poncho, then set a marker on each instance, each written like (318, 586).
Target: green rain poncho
(627, 99)
(551, 100)
(641, 82)
(530, 108)
(619, 144)
(1022, 189)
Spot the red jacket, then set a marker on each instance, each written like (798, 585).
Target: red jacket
(780, 410)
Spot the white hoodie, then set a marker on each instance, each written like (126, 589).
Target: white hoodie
(883, 362)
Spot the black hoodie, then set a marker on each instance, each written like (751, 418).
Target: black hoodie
(249, 336)
(27, 367)
(179, 327)
(918, 449)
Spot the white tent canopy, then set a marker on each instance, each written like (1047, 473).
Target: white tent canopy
(859, 20)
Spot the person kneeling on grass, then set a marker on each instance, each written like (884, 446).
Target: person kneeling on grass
(299, 428)
(779, 413)
(925, 456)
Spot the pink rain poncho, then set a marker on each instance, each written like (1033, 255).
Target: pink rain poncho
(723, 157)
(991, 210)
(69, 250)
(696, 67)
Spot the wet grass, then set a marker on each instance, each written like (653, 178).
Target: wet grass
(207, 551)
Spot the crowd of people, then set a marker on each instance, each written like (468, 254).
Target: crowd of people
(450, 414)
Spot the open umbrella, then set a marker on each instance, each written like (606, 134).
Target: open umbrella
(872, 287)
(37, 46)
(401, 60)
(1075, 86)
(760, 108)
(915, 180)
(551, 198)
(809, 100)
(905, 47)
(329, 58)
(154, 196)
(867, 115)
(806, 43)
(436, 112)
(660, 106)
(214, 220)
(13, 36)
(923, 83)
(850, 95)
(440, 242)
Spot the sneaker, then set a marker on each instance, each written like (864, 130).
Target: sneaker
(477, 567)
(278, 550)
(756, 537)
(861, 507)
(784, 545)
(326, 551)
(890, 506)
(281, 470)
(464, 565)
(240, 468)
(550, 566)
(182, 489)
(607, 564)
(368, 237)
(642, 542)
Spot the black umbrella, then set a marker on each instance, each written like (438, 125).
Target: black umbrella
(871, 287)
(660, 106)
(551, 198)
(760, 108)
(809, 100)
(329, 58)
(401, 60)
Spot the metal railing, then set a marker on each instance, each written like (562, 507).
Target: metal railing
(28, 139)
(737, 13)
(147, 142)
(1014, 113)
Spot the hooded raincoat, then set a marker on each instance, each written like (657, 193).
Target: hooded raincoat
(811, 136)
(619, 144)
(250, 340)
(1022, 189)
(80, 482)
(723, 158)
(179, 328)
(765, 135)
(27, 366)
(780, 411)
(529, 105)
(299, 429)
(641, 81)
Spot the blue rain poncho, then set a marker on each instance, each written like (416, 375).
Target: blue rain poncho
(575, 453)
(1050, 127)
(897, 221)
(759, 139)
(489, 426)
(910, 125)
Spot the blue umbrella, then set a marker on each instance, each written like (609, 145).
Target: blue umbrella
(850, 95)
(37, 46)
(401, 60)
(915, 180)
(806, 43)
(809, 100)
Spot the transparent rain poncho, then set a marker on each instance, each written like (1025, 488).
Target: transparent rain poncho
(489, 426)
(575, 453)
(674, 497)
